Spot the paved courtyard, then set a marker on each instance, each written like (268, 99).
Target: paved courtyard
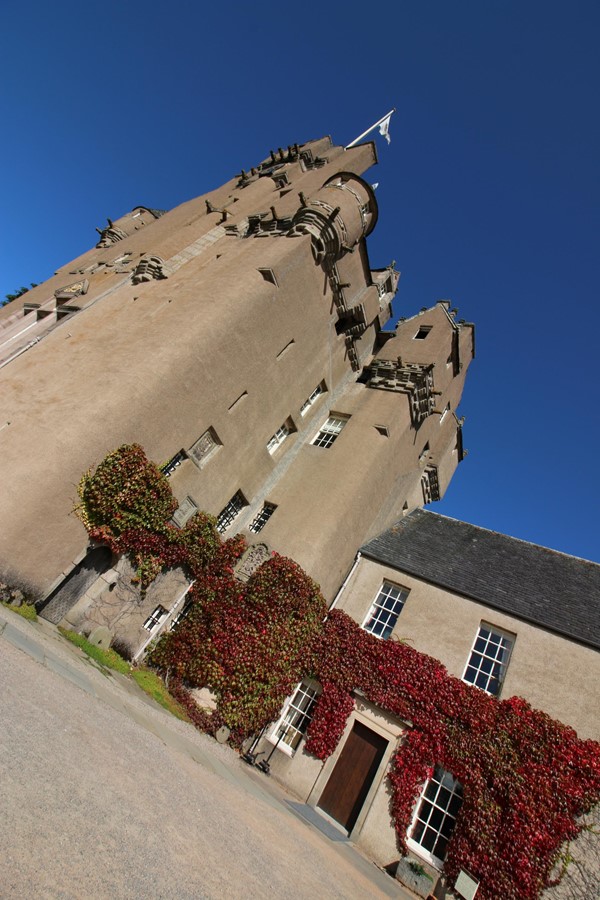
(104, 795)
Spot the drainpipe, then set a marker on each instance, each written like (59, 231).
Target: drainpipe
(346, 580)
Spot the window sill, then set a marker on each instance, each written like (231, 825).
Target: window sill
(424, 855)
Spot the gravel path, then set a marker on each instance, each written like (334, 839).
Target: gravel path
(105, 796)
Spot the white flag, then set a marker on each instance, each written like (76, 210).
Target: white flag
(384, 129)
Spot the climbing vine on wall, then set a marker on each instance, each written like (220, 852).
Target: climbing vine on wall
(526, 778)
(250, 643)
(127, 503)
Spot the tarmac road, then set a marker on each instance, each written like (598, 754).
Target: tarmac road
(104, 795)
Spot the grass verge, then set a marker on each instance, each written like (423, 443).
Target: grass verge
(149, 681)
(108, 658)
(153, 685)
(26, 610)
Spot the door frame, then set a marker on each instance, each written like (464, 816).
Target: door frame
(388, 727)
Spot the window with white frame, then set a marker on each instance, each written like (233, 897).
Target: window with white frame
(310, 401)
(229, 512)
(280, 435)
(296, 717)
(260, 520)
(385, 610)
(329, 431)
(487, 664)
(435, 816)
(159, 615)
(183, 612)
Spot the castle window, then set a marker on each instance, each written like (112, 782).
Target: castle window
(385, 610)
(422, 332)
(489, 658)
(296, 717)
(435, 817)
(181, 615)
(231, 511)
(269, 276)
(260, 520)
(280, 435)
(424, 453)
(445, 413)
(287, 347)
(329, 431)
(385, 287)
(153, 621)
(310, 401)
(173, 463)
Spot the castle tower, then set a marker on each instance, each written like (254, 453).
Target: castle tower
(239, 338)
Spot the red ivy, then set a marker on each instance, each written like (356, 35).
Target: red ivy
(526, 778)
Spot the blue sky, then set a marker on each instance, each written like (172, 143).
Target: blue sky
(489, 194)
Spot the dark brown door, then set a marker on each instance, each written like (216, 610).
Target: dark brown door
(353, 775)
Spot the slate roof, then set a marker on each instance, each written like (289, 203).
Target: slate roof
(542, 586)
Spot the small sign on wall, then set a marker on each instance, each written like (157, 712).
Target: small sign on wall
(466, 886)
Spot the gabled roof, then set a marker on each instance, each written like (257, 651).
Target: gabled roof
(542, 586)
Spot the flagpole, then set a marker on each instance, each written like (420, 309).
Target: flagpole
(369, 130)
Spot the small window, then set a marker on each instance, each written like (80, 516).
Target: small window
(329, 432)
(435, 817)
(296, 717)
(181, 615)
(269, 276)
(258, 523)
(445, 413)
(310, 401)
(173, 463)
(159, 615)
(237, 400)
(287, 347)
(383, 429)
(280, 435)
(385, 610)
(231, 511)
(489, 658)
(424, 453)
(422, 332)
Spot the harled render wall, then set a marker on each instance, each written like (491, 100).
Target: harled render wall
(159, 363)
(544, 668)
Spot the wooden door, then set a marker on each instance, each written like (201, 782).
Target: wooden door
(352, 776)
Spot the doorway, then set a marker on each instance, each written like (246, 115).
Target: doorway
(66, 595)
(353, 775)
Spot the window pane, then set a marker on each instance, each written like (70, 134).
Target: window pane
(428, 839)
(436, 815)
(440, 848)
(436, 818)
(384, 613)
(488, 661)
